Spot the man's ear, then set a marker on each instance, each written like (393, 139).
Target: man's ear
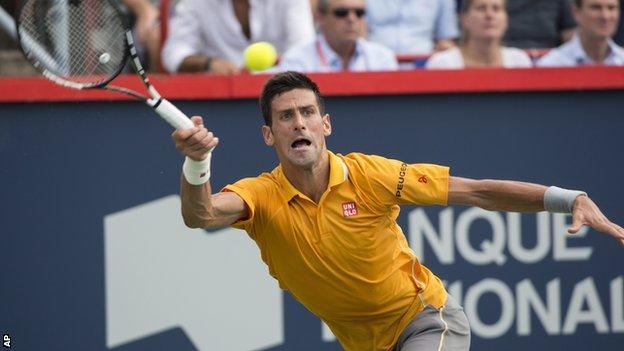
(327, 129)
(267, 134)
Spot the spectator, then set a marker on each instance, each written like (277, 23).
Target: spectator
(413, 26)
(539, 23)
(147, 30)
(483, 24)
(592, 44)
(340, 44)
(211, 35)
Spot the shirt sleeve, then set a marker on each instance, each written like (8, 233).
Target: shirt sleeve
(250, 190)
(553, 59)
(448, 59)
(437, 62)
(517, 58)
(184, 38)
(392, 182)
(446, 21)
(388, 60)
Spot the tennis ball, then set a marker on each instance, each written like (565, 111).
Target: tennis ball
(260, 56)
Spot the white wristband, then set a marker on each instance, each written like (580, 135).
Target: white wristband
(560, 200)
(197, 172)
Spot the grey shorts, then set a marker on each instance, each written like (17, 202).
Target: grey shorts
(445, 329)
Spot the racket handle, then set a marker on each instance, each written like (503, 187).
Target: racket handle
(176, 118)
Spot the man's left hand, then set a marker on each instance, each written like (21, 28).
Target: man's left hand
(585, 212)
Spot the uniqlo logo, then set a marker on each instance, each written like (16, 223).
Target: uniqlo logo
(349, 209)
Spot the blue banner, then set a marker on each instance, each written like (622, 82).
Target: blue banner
(95, 255)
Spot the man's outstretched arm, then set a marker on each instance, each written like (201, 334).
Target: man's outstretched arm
(503, 195)
(201, 208)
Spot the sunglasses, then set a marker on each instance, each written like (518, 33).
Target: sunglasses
(343, 12)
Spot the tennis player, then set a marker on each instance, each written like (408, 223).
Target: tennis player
(326, 223)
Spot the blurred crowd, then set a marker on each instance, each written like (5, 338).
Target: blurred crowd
(366, 35)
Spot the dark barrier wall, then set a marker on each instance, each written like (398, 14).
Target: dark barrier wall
(94, 255)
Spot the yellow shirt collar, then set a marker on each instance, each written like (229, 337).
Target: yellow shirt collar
(338, 173)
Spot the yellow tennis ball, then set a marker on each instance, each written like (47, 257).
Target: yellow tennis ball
(260, 56)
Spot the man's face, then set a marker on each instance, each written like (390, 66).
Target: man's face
(298, 130)
(341, 24)
(597, 19)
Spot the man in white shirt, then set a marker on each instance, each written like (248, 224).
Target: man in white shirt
(211, 35)
(340, 44)
(592, 44)
(413, 26)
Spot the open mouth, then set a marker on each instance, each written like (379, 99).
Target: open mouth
(300, 143)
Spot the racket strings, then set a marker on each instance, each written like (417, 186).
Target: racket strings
(80, 41)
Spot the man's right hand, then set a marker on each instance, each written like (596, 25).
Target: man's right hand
(201, 209)
(195, 142)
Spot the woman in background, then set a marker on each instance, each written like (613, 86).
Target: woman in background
(484, 23)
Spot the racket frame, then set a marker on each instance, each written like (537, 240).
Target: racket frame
(32, 57)
(161, 106)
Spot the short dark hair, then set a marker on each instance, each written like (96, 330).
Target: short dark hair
(282, 83)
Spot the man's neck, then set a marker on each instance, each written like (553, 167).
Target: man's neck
(596, 49)
(311, 182)
(482, 53)
(345, 51)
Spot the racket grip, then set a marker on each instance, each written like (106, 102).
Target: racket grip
(176, 118)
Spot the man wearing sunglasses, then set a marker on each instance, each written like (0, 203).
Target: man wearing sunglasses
(340, 45)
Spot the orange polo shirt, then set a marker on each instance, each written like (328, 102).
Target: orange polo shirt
(345, 258)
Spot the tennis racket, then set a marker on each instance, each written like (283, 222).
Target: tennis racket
(85, 44)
